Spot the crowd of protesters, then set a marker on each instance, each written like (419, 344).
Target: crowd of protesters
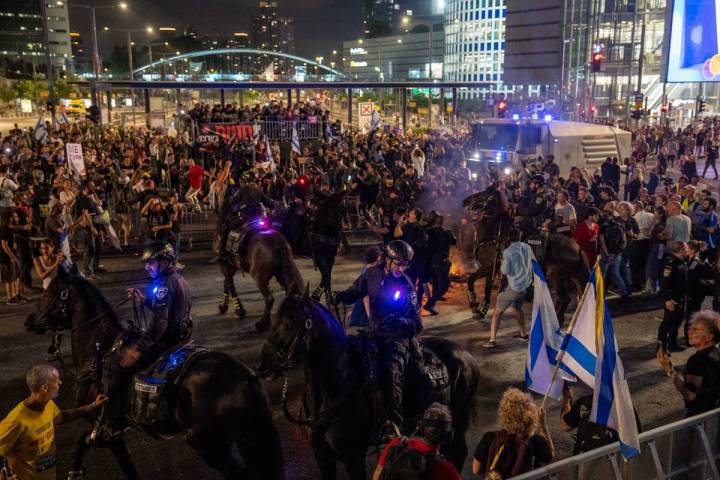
(633, 215)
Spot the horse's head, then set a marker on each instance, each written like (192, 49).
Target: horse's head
(288, 336)
(55, 310)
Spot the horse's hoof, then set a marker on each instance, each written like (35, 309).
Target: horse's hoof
(240, 313)
(223, 309)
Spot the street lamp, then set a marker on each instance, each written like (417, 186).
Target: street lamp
(93, 28)
(130, 43)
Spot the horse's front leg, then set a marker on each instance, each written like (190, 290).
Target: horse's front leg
(122, 454)
(76, 471)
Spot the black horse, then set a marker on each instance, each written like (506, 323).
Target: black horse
(221, 406)
(326, 229)
(492, 223)
(341, 401)
(565, 265)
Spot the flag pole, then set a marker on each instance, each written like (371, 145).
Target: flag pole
(561, 353)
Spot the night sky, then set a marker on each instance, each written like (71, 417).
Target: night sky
(320, 25)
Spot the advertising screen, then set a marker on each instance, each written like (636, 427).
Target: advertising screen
(694, 53)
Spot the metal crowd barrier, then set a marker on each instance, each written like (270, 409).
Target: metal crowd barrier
(275, 130)
(686, 449)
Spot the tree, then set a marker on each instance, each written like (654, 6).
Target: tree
(26, 89)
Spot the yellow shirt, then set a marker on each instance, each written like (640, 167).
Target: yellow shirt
(27, 441)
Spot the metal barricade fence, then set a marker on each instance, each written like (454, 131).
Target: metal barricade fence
(686, 449)
(273, 129)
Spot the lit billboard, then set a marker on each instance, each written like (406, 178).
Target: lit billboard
(694, 51)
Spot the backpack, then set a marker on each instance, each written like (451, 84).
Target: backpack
(405, 463)
(508, 456)
(615, 239)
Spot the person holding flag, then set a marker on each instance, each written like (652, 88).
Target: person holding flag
(269, 159)
(41, 131)
(295, 144)
(590, 352)
(375, 121)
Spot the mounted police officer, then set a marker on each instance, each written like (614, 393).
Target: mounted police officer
(533, 207)
(241, 204)
(393, 321)
(170, 324)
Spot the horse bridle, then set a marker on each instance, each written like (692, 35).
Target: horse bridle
(63, 308)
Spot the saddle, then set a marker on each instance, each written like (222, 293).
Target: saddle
(426, 374)
(153, 397)
(239, 237)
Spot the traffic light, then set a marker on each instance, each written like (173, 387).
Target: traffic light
(701, 105)
(502, 107)
(597, 61)
(664, 108)
(93, 114)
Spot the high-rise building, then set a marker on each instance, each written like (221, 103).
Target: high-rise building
(380, 17)
(286, 42)
(475, 45)
(81, 57)
(22, 51)
(275, 34)
(167, 33)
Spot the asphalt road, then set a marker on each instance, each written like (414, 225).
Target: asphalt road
(655, 400)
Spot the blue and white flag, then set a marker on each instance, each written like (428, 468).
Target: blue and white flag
(545, 341)
(295, 144)
(591, 340)
(41, 132)
(65, 249)
(375, 121)
(269, 156)
(62, 118)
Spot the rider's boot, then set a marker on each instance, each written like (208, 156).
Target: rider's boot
(223, 303)
(76, 473)
(237, 306)
(319, 290)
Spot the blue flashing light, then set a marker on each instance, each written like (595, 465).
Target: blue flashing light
(154, 290)
(516, 116)
(396, 296)
(548, 118)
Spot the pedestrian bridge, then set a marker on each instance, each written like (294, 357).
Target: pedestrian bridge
(229, 73)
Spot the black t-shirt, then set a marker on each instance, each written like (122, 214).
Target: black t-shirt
(84, 203)
(538, 452)
(156, 218)
(705, 364)
(7, 235)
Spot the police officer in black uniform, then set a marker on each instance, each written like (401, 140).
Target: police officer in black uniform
(394, 321)
(440, 240)
(325, 234)
(673, 292)
(533, 207)
(168, 298)
(241, 204)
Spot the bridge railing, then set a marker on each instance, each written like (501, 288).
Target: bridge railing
(686, 449)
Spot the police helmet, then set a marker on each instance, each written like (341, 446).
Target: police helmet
(539, 179)
(158, 251)
(399, 250)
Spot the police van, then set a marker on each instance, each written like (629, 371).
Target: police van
(507, 142)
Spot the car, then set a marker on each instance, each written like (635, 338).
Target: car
(76, 107)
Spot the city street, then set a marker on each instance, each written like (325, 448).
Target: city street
(655, 400)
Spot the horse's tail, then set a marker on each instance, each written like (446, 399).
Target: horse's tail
(287, 272)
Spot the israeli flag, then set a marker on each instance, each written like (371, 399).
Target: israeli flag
(62, 119)
(545, 341)
(375, 121)
(269, 156)
(65, 249)
(591, 343)
(295, 144)
(41, 132)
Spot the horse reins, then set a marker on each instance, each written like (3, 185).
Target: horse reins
(287, 365)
